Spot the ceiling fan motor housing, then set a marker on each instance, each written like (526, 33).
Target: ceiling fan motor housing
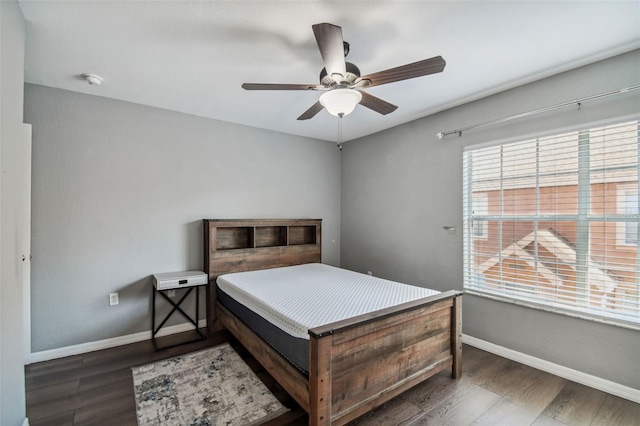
(352, 74)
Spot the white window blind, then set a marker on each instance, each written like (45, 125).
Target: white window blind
(553, 222)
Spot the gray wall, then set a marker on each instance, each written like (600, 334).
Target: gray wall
(12, 391)
(119, 192)
(399, 188)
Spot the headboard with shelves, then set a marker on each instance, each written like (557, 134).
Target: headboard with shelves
(238, 245)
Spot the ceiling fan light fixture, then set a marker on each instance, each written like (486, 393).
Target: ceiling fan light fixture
(340, 102)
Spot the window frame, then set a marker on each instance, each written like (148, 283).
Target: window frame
(585, 215)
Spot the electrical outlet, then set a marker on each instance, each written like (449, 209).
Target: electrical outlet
(113, 299)
(369, 273)
(171, 293)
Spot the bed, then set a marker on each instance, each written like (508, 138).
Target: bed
(351, 364)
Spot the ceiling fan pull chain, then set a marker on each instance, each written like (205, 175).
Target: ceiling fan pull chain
(340, 132)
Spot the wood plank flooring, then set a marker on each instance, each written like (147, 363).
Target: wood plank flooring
(97, 389)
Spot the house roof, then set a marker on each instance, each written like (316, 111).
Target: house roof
(563, 252)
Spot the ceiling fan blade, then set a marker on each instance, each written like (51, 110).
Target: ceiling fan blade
(329, 39)
(267, 86)
(376, 104)
(311, 112)
(417, 69)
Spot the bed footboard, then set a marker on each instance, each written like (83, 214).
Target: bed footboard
(358, 364)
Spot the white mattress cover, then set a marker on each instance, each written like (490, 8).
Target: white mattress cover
(298, 298)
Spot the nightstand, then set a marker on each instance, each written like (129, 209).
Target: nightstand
(186, 282)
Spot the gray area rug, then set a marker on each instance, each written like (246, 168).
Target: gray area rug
(204, 388)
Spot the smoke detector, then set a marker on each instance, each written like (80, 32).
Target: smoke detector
(93, 79)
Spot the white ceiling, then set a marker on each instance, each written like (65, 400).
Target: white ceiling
(192, 57)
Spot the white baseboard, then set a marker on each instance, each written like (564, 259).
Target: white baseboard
(25, 422)
(604, 385)
(110, 343)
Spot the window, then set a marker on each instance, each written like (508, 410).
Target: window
(553, 222)
(480, 209)
(628, 206)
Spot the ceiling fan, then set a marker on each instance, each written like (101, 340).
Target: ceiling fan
(341, 80)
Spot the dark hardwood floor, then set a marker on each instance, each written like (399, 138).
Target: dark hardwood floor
(97, 389)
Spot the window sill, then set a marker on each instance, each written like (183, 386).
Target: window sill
(556, 310)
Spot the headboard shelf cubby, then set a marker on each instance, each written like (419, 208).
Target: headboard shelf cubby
(235, 238)
(303, 234)
(271, 236)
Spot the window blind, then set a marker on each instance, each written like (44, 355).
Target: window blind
(553, 222)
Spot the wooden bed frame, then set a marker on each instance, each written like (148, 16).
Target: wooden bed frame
(355, 364)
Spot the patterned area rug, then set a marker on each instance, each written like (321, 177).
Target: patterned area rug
(204, 388)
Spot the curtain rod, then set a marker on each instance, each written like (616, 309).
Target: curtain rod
(442, 135)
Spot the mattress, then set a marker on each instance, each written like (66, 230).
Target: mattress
(282, 304)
